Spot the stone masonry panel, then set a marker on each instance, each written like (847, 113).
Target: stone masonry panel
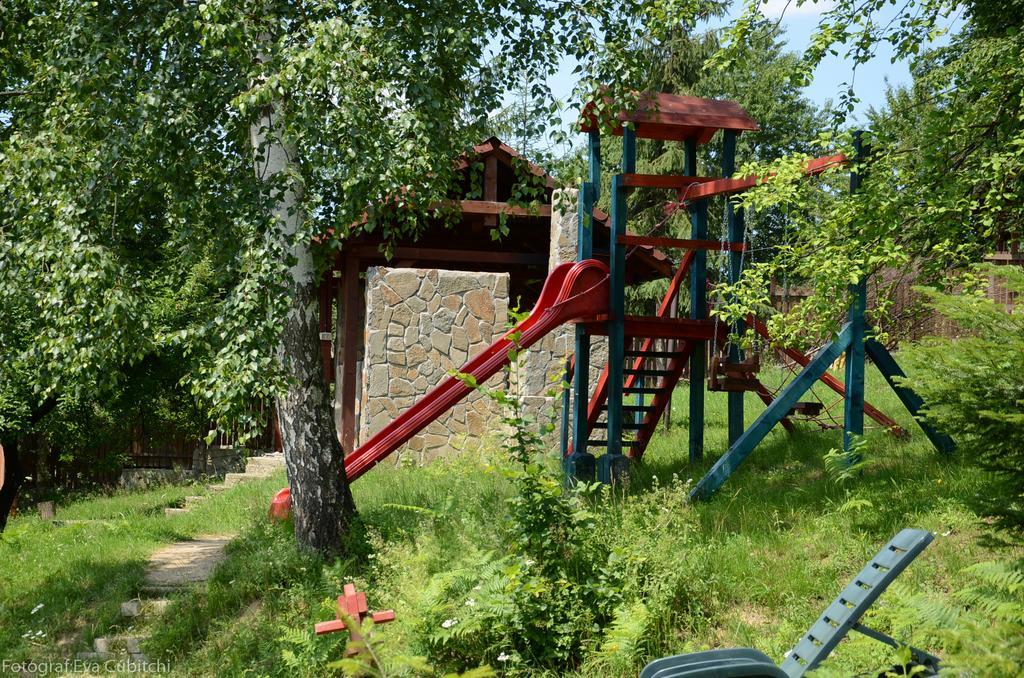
(420, 324)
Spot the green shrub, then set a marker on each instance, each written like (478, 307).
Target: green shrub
(538, 605)
(974, 389)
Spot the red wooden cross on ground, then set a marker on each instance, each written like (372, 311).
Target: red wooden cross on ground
(353, 605)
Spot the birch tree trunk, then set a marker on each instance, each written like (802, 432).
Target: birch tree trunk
(322, 505)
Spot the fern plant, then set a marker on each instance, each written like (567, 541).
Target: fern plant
(982, 631)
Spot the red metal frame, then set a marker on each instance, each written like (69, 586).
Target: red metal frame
(572, 291)
(803, 359)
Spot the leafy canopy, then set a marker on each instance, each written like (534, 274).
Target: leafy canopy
(126, 165)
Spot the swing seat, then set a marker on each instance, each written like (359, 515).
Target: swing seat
(734, 376)
(806, 409)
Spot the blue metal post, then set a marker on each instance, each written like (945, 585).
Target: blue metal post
(736, 225)
(853, 413)
(698, 309)
(580, 464)
(774, 413)
(613, 464)
(892, 372)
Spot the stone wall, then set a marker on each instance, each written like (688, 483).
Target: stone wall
(421, 323)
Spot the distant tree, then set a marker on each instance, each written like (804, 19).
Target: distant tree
(943, 180)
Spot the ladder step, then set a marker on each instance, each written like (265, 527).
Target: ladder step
(626, 425)
(642, 389)
(636, 353)
(647, 373)
(632, 408)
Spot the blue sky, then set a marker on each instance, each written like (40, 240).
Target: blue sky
(799, 23)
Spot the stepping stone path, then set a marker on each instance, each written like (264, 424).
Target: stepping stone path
(176, 567)
(256, 468)
(171, 569)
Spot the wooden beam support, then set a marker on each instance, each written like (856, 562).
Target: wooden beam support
(680, 243)
(736, 231)
(353, 306)
(491, 187)
(732, 186)
(580, 464)
(492, 207)
(371, 251)
(780, 407)
(853, 405)
(616, 308)
(890, 369)
(839, 387)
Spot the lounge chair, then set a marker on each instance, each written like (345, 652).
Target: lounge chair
(841, 617)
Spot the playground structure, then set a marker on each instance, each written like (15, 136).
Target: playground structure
(591, 296)
(693, 122)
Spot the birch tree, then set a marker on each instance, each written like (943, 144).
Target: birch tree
(129, 135)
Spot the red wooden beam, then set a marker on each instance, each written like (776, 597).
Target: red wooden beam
(802, 359)
(732, 186)
(662, 181)
(647, 326)
(352, 605)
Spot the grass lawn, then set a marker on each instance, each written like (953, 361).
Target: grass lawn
(754, 567)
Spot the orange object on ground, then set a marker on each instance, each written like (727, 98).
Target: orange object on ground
(280, 505)
(353, 606)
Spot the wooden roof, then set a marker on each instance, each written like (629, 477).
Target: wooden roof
(468, 243)
(676, 117)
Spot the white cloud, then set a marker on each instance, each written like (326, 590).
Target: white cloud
(773, 9)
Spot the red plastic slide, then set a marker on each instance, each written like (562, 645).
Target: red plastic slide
(571, 291)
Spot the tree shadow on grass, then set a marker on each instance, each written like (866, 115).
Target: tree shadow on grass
(786, 476)
(71, 606)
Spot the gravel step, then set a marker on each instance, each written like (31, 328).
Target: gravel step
(175, 511)
(138, 607)
(117, 644)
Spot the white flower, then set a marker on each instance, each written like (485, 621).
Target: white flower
(470, 603)
(504, 657)
(36, 608)
(529, 562)
(448, 623)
